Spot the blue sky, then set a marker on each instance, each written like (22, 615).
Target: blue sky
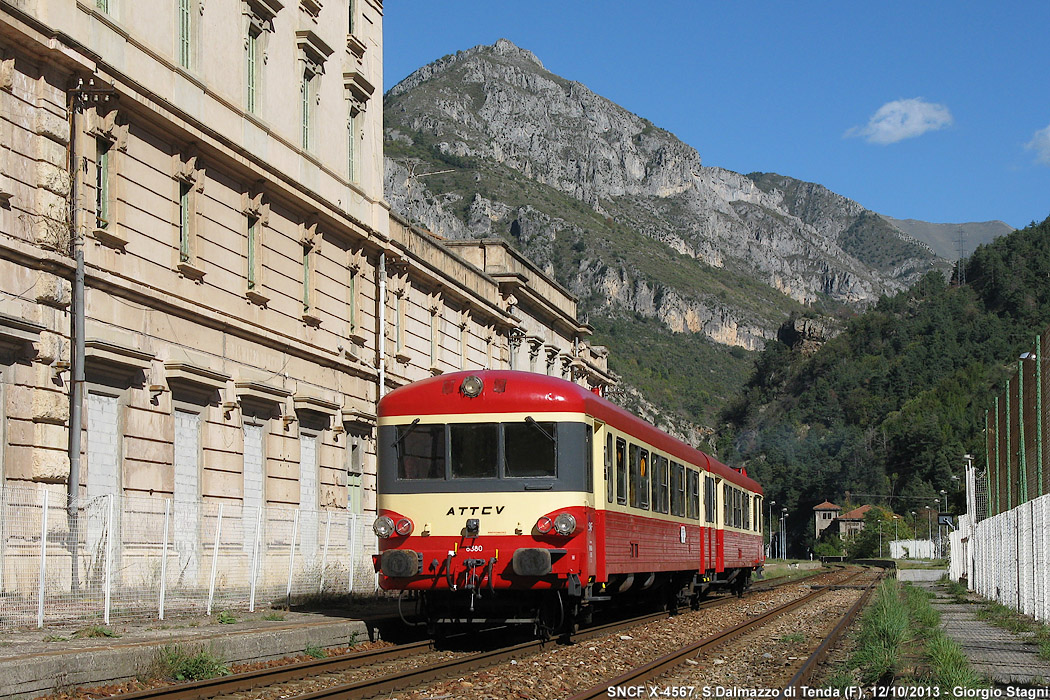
(931, 110)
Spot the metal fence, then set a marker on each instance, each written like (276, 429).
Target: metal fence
(1017, 428)
(145, 558)
(1007, 557)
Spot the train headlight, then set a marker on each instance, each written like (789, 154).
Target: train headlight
(564, 524)
(472, 386)
(403, 527)
(544, 525)
(383, 527)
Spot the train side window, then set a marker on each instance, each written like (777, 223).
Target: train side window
(588, 460)
(474, 450)
(529, 449)
(677, 489)
(420, 451)
(709, 499)
(738, 511)
(661, 492)
(747, 511)
(727, 505)
(621, 471)
(693, 487)
(639, 484)
(610, 476)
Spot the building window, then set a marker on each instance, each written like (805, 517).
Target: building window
(256, 216)
(185, 249)
(253, 251)
(251, 58)
(354, 476)
(399, 323)
(435, 330)
(184, 20)
(352, 139)
(307, 279)
(463, 345)
(102, 5)
(352, 23)
(102, 172)
(189, 180)
(308, 95)
(308, 503)
(351, 311)
(313, 52)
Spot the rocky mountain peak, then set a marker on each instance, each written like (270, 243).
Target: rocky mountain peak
(547, 163)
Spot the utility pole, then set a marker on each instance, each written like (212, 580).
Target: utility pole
(80, 97)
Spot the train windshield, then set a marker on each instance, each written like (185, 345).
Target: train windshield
(528, 449)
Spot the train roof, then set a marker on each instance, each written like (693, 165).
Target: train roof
(510, 391)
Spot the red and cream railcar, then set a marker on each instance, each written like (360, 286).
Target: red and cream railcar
(513, 496)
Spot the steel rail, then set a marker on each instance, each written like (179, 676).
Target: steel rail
(242, 682)
(656, 667)
(803, 675)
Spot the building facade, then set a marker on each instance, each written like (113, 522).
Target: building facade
(247, 294)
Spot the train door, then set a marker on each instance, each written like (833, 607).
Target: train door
(710, 523)
(717, 540)
(600, 455)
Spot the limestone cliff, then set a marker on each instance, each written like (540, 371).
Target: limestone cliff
(621, 211)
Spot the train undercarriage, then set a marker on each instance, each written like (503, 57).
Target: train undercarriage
(558, 611)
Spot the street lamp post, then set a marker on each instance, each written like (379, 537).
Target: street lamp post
(769, 520)
(895, 537)
(940, 528)
(783, 533)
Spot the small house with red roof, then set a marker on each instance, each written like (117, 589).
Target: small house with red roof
(852, 522)
(823, 515)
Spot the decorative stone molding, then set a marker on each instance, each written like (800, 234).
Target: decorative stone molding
(313, 51)
(311, 8)
(7, 74)
(357, 90)
(308, 232)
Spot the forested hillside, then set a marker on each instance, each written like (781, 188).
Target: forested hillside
(890, 405)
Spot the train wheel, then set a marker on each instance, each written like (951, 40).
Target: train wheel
(550, 616)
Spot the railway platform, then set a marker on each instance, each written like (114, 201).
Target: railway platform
(1004, 658)
(38, 662)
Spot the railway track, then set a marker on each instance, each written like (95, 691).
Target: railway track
(665, 673)
(428, 665)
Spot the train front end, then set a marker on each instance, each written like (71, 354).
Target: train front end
(483, 511)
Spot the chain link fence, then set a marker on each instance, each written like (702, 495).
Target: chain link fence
(146, 558)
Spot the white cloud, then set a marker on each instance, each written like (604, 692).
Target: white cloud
(1040, 143)
(903, 119)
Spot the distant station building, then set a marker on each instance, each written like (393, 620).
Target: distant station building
(849, 524)
(823, 515)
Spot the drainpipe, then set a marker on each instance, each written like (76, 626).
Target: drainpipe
(381, 327)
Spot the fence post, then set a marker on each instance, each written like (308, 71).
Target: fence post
(324, 554)
(109, 559)
(998, 505)
(291, 558)
(1022, 457)
(214, 558)
(1039, 415)
(164, 556)
(353, 560)
(255, 558)
(1009, 453)
(43, 559)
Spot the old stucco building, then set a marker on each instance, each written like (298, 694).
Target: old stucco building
(248, 295)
